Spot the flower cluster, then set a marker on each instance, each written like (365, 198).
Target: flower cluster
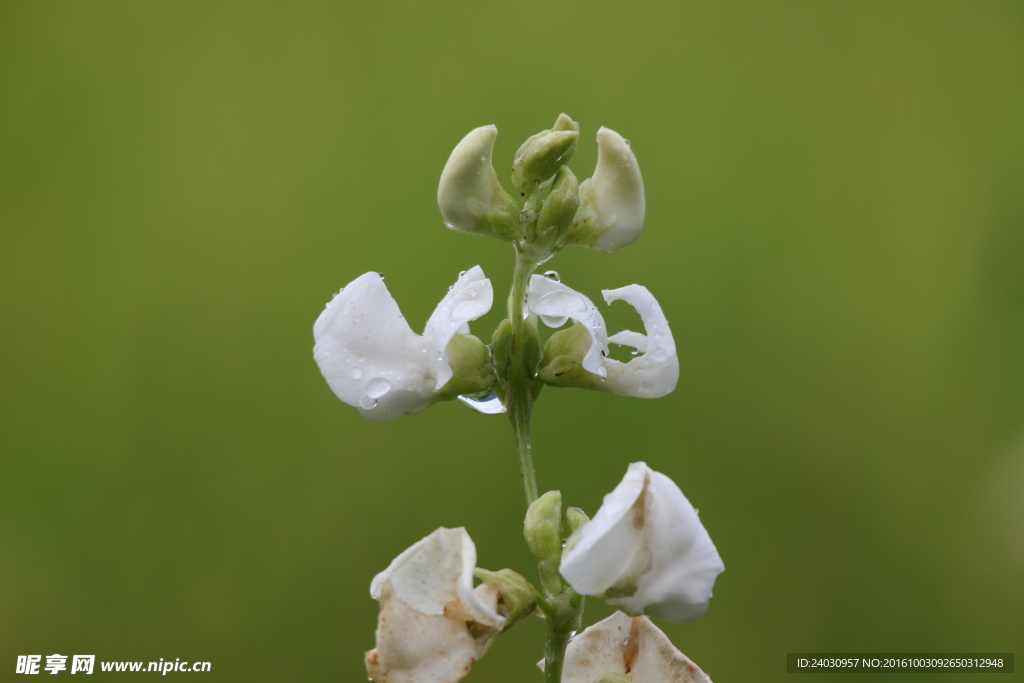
(645, 550)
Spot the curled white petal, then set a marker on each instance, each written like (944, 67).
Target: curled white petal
(467, 186)
(627, 645)
(613, 199)
(470, 298)
(433, 624)
(555, 303)
(647, 546)
(372, 359)
(654, 373)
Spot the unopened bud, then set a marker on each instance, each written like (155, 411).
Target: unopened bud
(472, 368)
(615, 678)
(543, 533)
(562, 362)
(574, 519)
(561, 205)
(544, 153)
(518, 596)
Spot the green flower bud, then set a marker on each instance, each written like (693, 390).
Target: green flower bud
(518, 596)
(500, 341)
(544, 153)
(615, 678)
(471, 364)
(469, 195)
(563, 122)
(543, 533)
(574, 519)
(501, 345)
(561, 205)
(562, 361)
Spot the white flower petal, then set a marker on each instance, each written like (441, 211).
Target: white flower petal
(555, 302)
(368, 354)
(372, 359)
(470, 298)
(627, 645)
(612, 201)
(610, 545)
(649, 547)
(467, 186)
(433, 625)
(627, 338)
(656, 372)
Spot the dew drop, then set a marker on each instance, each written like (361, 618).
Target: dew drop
(377, 387)
(381, 275)
(660, 355)
(462, 274)
(367, 402)
(486, 402)
(356, 373)
(634, 351)
(553, 275)
(627, 142)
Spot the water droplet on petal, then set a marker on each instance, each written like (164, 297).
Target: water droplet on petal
(462, 274)
(367, 402)
(553, 275)
(381, 275)
(377, 387)
(660, 355)
(356, 373)
(634, 351)
(487, 403)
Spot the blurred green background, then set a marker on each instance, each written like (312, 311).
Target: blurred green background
(835, 229)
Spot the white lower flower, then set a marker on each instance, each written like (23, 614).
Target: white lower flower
(650, 375)
(372, 359)
(629, 646)
(645, 550)
(433, 625)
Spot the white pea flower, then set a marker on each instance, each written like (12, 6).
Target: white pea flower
(650, 375)
(628, 646)
(645, 550)
(433, 626)
(372, 359)
(612, 206)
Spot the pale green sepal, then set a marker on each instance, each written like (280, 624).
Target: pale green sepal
(518, 596)
(542, 154)
(612, 204)
(615, 678)
(562, 361)
(472, 367)
(560, 206)
(543, 532)
(470, 196)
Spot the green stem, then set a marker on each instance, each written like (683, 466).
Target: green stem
(554, 653)
(519, 399)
